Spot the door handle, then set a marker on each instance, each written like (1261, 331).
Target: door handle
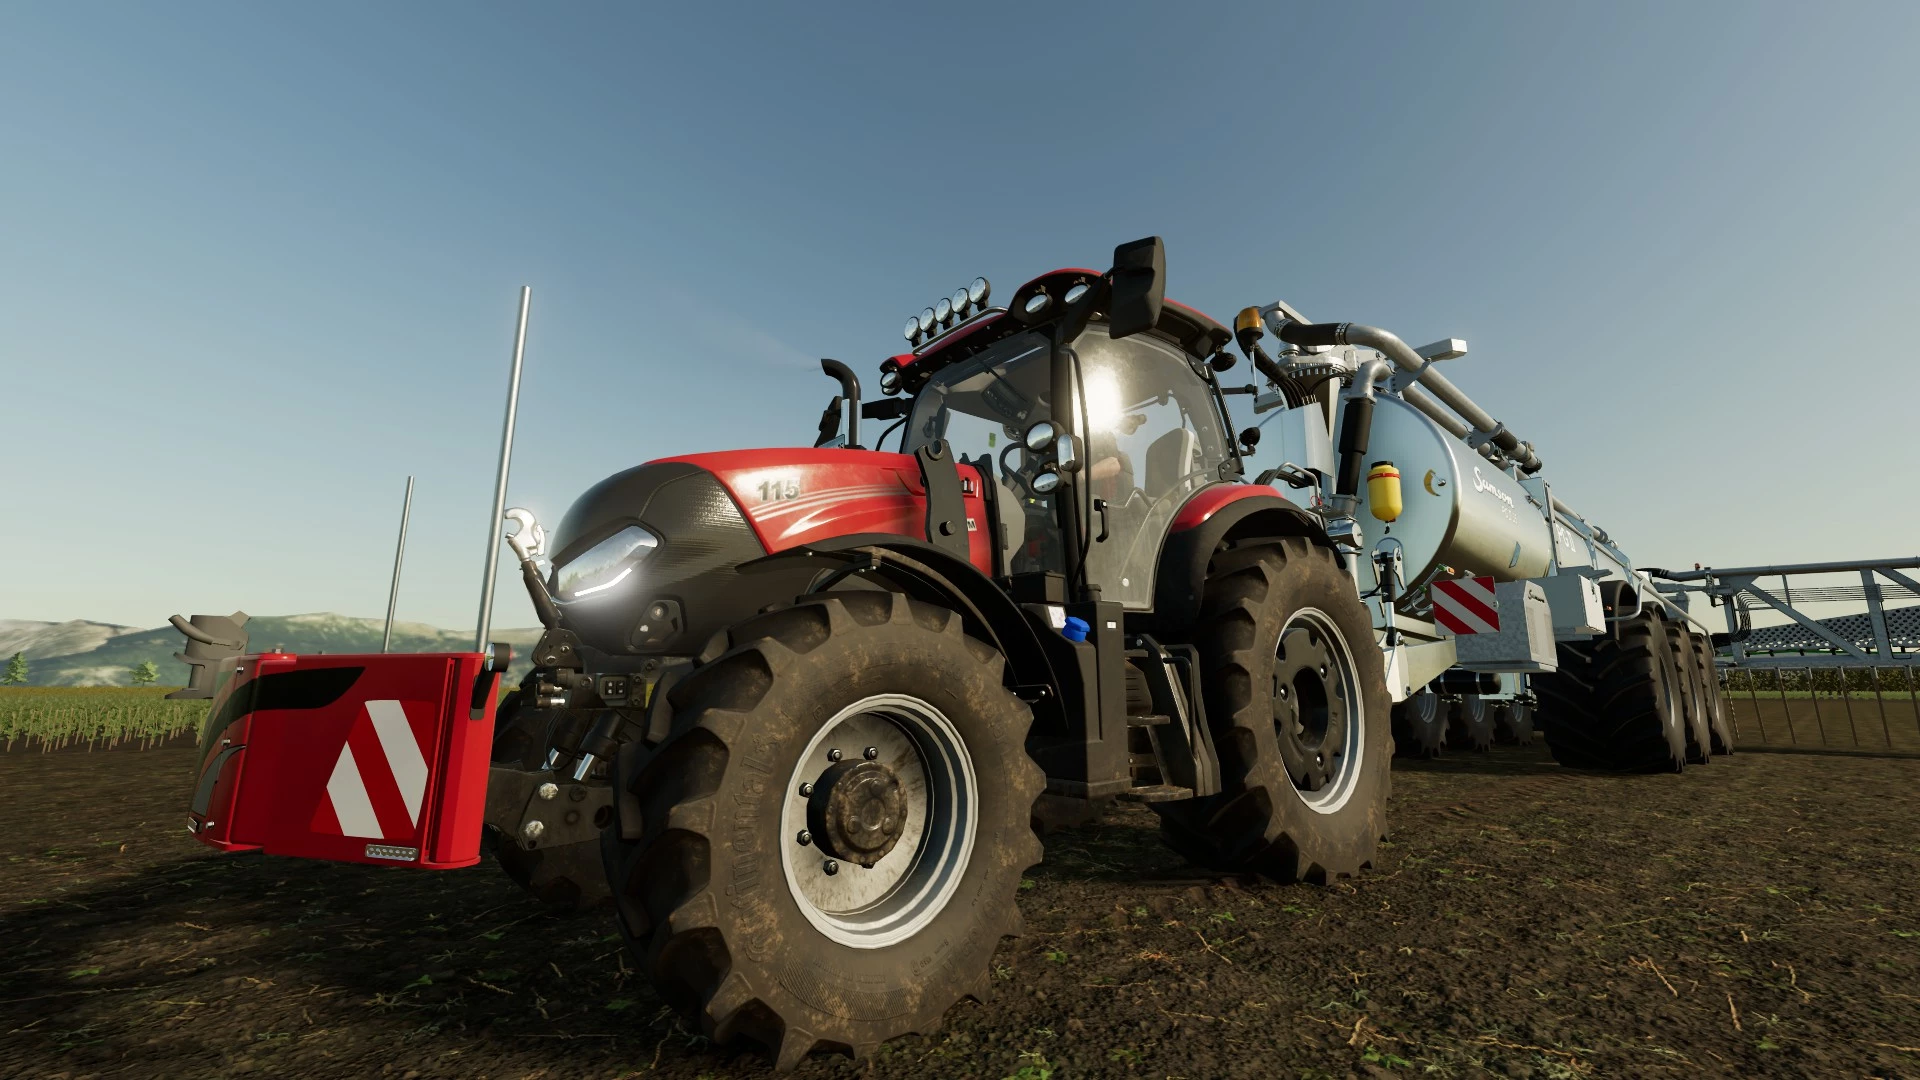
(1100, 507)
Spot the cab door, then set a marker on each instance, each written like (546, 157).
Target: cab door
(1154, 436)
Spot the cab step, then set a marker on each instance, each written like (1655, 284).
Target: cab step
(1153, 793)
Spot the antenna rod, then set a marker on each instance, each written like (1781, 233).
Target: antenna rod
(500, 485)
(399, 552)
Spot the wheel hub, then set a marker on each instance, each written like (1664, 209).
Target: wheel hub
(1310, 708)
(857, 812)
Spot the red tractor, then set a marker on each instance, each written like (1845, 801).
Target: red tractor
(795, 710)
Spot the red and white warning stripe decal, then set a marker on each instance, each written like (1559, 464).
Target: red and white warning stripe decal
(379, 779)
(1466, 606)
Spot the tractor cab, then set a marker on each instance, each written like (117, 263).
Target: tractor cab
(1084, 495)
(1153, 435)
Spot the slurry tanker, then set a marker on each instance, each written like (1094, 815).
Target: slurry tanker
(796, 712)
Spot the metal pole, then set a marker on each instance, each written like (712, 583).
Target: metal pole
(500, 484)
(1885, 734)
(1846, 698)
(399, 552)
(1780, 683)
(1913, 697)
(1813, 692)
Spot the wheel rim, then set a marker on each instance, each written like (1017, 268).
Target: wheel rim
(930, 771)
(1318, 711)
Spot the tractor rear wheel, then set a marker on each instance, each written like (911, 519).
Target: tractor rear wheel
(1470, 723)
(1419, 726)
(1513, 723)
(1296, 694)
(563, 875)
(1613, 704)
(829, 843)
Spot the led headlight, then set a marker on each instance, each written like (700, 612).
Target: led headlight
(605, 564)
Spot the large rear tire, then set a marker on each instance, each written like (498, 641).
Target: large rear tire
(1613, 704)
(1693, 692)
(737, 920)
(1719, 713)
(563, 875)
(1296, 695)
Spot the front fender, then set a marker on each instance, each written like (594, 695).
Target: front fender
(929, 573)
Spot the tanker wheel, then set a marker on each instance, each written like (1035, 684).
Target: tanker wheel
(1613, 704)
(1693, 693)
(1719, 713)
(1419, 728)
(1470, 723)
(564, 875)
(1513, 723)
(831, 839)
(1296, 695)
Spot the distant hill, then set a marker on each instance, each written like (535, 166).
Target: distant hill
(80, 653)
(56, 639)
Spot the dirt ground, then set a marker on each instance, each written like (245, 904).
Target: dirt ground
(1756, 917)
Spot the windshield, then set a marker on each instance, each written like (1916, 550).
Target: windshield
(982, 406)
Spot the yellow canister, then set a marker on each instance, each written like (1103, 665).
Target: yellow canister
(1383, 491)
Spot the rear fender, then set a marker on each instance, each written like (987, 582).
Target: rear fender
(1212, 517)
(377, 759)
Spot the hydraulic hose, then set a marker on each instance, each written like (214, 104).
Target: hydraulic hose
(1390, 346)
(1356, 426)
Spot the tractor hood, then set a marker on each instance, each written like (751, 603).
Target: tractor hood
(653, 553)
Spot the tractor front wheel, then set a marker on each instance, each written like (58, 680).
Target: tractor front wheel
(1296, 693)
(830, 842)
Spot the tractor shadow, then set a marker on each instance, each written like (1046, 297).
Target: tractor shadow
(197, 959)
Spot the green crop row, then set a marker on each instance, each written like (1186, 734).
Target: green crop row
(49, 717)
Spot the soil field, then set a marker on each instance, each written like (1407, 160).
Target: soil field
(1759, 916)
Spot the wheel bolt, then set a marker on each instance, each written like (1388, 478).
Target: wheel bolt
(1283, 693)
(805, 838)
(872, 752)
(1323, 671)
(833, 755)
(806, 790)
(831, 867)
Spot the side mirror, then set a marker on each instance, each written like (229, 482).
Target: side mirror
(1139, 286)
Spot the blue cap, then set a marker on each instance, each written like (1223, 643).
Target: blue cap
(1076, 629)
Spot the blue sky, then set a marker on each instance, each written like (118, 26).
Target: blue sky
(259, 262)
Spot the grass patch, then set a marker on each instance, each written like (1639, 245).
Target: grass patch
(49, 717)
